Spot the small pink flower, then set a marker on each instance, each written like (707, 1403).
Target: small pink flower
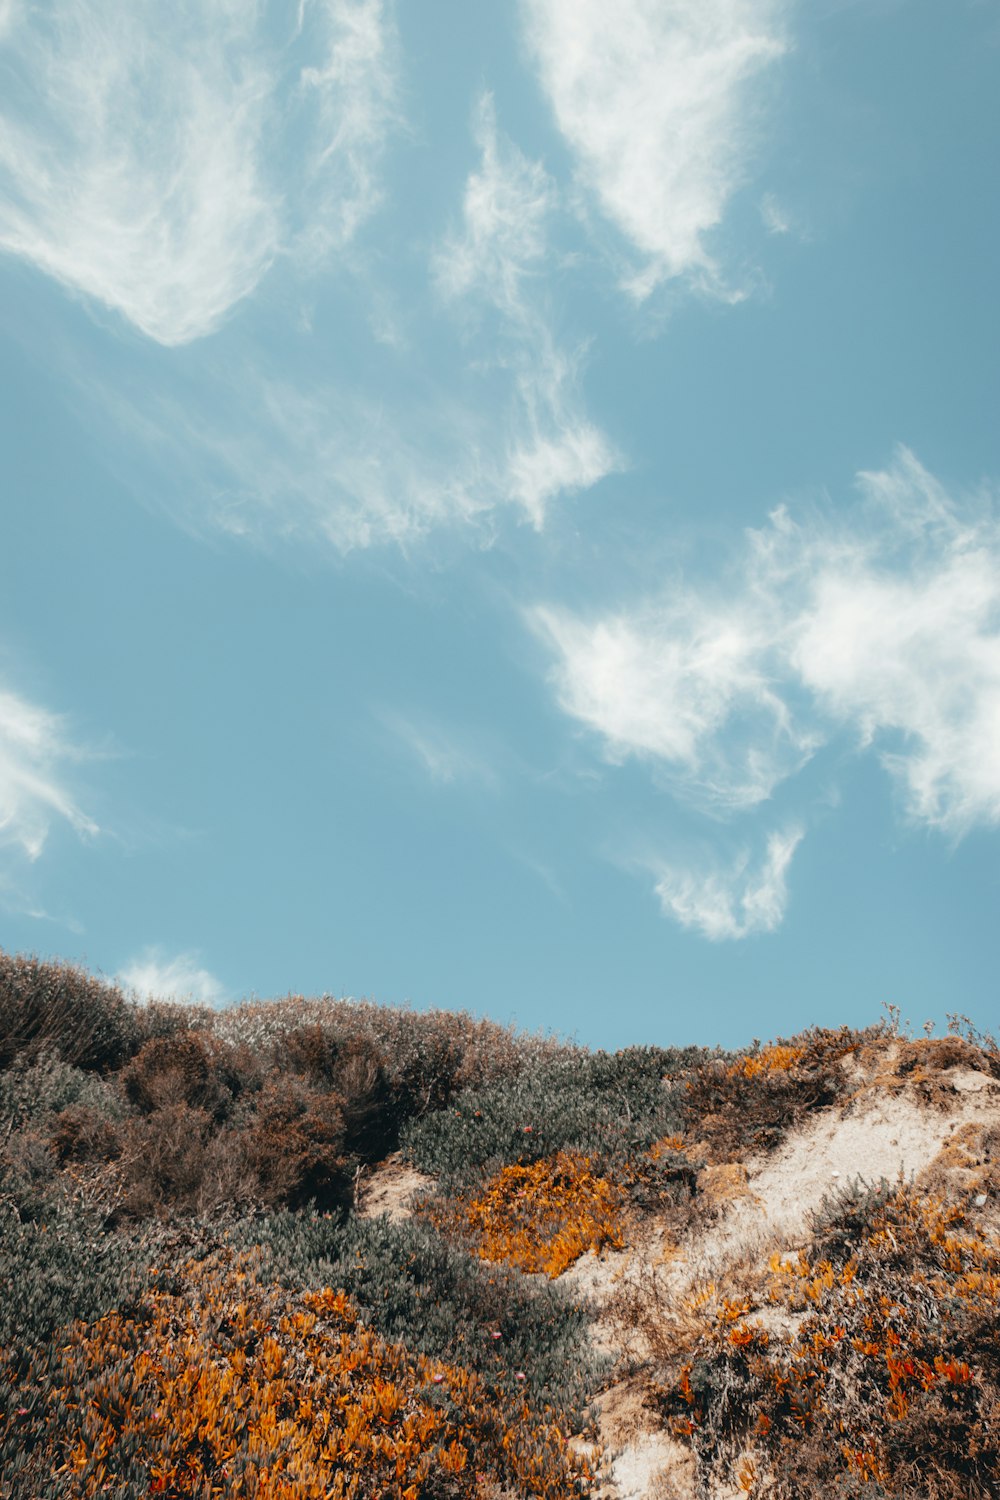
(519, 1375)
(23, 1411)
(527, 1129)
(497, 1334)
(437, 1379)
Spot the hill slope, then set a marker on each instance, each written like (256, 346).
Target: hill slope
(320, 1248)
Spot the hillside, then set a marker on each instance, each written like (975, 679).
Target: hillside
(321, 1248)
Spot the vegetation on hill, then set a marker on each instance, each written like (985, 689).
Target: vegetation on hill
(193, 1306)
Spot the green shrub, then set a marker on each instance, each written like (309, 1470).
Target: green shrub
(61, 1267)
(606, 1105)
(416, 1290)
(41, 1084)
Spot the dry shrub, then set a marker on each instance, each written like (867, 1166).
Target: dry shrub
(84, 1134)
(189, 1068)
(295, 1146)
(162, 1161)
(922, 1067)
(309, 1050)
(61, 1008)
(748, 1105)
(429, 1055)
(371, 1113)
(355, 1069)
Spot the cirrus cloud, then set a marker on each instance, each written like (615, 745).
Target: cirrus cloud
(145, 159)
(494, 260)
(34, 792)
(734, 900)
(656, 100)
(878, 624)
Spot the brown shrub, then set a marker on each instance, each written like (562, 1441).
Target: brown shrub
(353, 1067)
(59, 1007)
(295, 1146)
(429, 1055)
(163, 1161)
(83, 1134)
(739, 1107)
(187, 1068)
(309, 1050)
(371, 1115)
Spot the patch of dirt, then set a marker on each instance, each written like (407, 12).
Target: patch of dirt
(389, 1188)
(878, 1136)
(645, 1463)
(724, 1182)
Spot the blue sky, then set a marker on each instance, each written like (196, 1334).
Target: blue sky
(500, 505)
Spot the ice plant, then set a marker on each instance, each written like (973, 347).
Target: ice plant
(540, 1217)
(230, 1386)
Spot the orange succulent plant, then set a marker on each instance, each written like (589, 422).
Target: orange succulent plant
(541, 1217)
(230, 1386)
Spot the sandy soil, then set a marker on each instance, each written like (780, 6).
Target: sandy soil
(389, 1189)
(925, 1130)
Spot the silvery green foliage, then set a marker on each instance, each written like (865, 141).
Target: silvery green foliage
(34, 1087)
(63, 1266)
(428, 1054)
(415, 1289)
(606, 1105)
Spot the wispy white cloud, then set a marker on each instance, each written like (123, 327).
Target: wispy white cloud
(275, 461)
(35, 753)
(732, 901)
(153, 975)
(303, 456)
(881, 620)
(659, 101)
(774, 216)
(495, 260)
(553, 447)
(443, 753)
(9, 12)
(688, 683)
(351, 93)
(503, 236)
(145, 154)
(900, 639)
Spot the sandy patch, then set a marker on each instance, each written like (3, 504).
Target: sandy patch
(876, 1138)
(389, 1189)
(927, 1128)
